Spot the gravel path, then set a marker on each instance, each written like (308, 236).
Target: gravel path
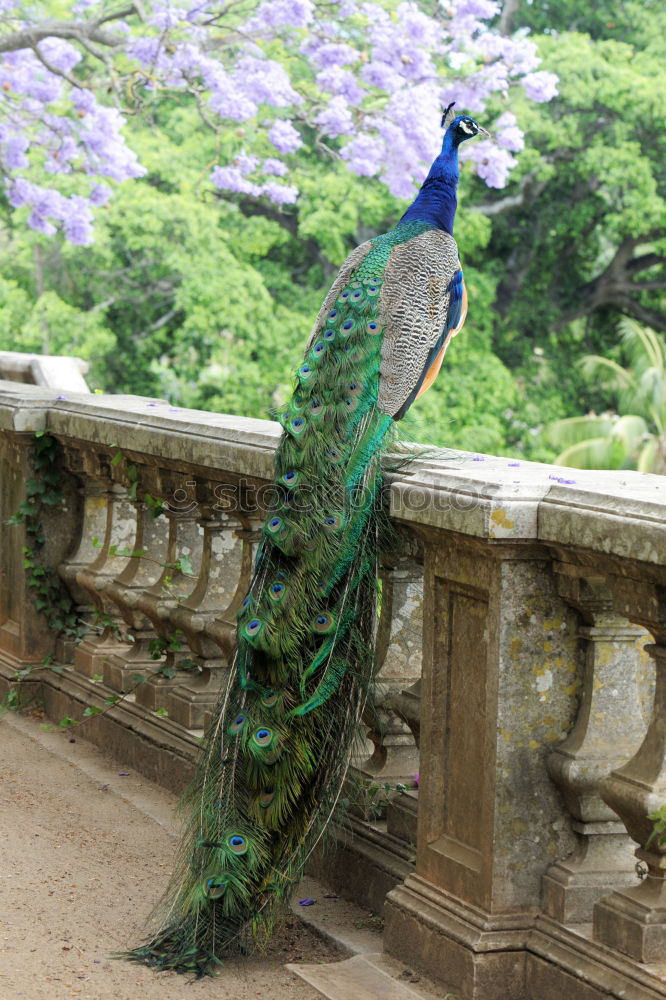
(86, 854)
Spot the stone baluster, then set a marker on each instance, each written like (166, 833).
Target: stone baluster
(398, 650)
(119, 534)
(172, 586)
(142, 571)
(608, 729)
(633, 920)
(86, 470)
(207, 616)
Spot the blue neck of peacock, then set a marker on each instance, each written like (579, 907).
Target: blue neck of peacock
(436, 202)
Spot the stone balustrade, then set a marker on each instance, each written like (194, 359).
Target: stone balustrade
(523, 622)
(50, 370)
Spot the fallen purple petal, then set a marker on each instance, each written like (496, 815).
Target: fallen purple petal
(308, 901)
(123, 774)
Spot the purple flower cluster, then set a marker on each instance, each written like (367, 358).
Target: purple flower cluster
(369, 79)
(48, 208)
(234, 177)
(50, 128)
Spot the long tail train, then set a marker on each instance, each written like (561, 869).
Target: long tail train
(275, 759)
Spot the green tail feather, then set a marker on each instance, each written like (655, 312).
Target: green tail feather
(274, 761)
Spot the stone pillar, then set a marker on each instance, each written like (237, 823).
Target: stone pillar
(25, 636)
(602, 858)
(500, 662)
(633, 920)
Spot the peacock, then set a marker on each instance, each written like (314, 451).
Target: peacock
(275, 758)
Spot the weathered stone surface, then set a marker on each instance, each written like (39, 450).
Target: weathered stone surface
(506, 676)
(610, 689)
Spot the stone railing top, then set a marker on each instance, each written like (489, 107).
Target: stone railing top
(52, 370)
(622, 514)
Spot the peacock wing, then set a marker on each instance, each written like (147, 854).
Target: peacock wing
(343, 277)
(420, 283)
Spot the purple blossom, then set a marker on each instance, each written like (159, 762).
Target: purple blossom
(381, 76)
(231, 179)
(280, 194)
(13, 153)
(335, 119)
(325, 54)
(491, 163)
(416, 25)
(275, 167)
(364, 154)
(341, 81)
(79, 230)
(540, 86)
(284, 136)
(507, 134)
(100, 194)
(275, 14)
(246, 164)
(41, 224)
(266, 82)
(60, 54)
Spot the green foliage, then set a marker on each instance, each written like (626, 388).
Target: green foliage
(369, 799)
(636, 440)
(43, 490)
(658, 817)
(207, 299)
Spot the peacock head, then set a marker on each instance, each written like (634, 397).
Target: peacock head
(461, 127)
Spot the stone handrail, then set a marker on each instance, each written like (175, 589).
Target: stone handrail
(513, 671)
(50, 370)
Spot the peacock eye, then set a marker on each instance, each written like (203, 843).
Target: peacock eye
(237, 843)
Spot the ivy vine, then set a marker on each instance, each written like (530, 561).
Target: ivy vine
(44, 492)
(52, 599)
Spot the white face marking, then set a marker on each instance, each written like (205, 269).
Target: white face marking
(466, 128)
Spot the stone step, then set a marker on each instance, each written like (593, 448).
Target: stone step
(359, 977)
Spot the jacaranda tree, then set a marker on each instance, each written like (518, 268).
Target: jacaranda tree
(363, 80)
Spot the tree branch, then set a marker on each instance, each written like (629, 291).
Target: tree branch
(645, 261)
(528, 192)
(509, 11)
(614, 287)
(649, 317)
(77, 31)
(53, 69)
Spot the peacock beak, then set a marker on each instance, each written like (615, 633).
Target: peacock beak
(483, 131)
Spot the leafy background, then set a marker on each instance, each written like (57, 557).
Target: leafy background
(206, 298)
